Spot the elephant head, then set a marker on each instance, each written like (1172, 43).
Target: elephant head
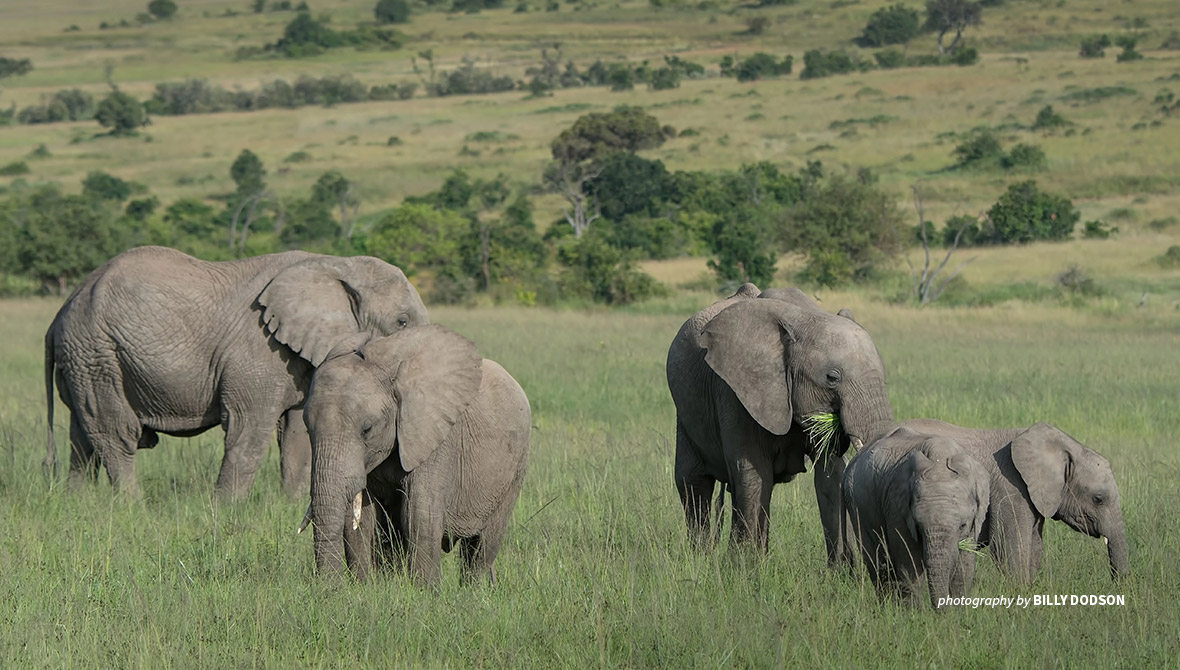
(1069, 482)
(402, 394)
(787, 359)
(313, 304)
(947, 492)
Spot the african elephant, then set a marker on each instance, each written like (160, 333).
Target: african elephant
(745, 374)
(1037, 473)
(416, 437)
(911, 500)
(156, 341)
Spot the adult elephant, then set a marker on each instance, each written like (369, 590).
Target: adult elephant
(156, 341)
(745, 374)
(1039, 473)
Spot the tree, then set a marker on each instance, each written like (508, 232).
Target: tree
(926, 287)
(1025, 214)
(103, 186)
(162, 9)
(943, 16)
(122, 113)
(569, 180)
(335, 190)
(248, 172)
(63, 237)
(418, 237)
(392, 11)
(599, 133)
(13, 67)
(896, 24)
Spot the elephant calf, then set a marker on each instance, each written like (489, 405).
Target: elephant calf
(911, 500)
(1037, 473)
(419, 439)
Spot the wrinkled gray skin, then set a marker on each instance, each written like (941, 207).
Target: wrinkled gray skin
(743, 373)
(1037, 473)
(911, 498)
(434, 440)
(156, 341)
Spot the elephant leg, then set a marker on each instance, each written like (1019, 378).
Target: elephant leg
(113, 432)
(83, 461)
(751, 485)
(829, 473)
(423, 521)
(246, 439)
(294, 454)
(695, 488)
(479, 553)
(358, 543)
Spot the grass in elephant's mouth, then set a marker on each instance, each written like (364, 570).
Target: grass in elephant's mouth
(970, 545)
(823, 428)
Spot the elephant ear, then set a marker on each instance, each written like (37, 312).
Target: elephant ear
(1041, 456)
(435, 373)
(746, 345)
(311, 305)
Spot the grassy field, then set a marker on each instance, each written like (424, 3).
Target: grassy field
(596, 571)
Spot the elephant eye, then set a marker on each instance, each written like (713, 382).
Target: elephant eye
(366, 429)
(833, 376)
(1098, 500)
(402, 321)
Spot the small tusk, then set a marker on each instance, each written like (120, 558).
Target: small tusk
(356, 511)
(1106, 540)
(857, 444)
(306, 520)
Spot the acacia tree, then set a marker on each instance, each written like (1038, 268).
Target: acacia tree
(926, 287)
(943, 16)
(334, 189)
(578, 150)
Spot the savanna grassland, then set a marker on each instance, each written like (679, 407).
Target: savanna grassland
(596, 570)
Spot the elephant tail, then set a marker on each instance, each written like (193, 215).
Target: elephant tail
(49, 465)
(719, 509)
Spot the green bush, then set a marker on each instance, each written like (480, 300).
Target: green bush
(1047, 119)
(818, 63)
(977, 147)
(758, 66)
(1026, 156)
(1027, 214)
(1098, 230)
(120, 112)
(1170, 258)
(162, 9)
(596, 270)
(896, 24)
(14, 169)
(971, 234)
(890, 58)
(103, 186)
(1128, 42)
(392, 11)
(1094, 47)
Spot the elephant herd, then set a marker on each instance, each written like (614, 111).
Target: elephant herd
(414, 444)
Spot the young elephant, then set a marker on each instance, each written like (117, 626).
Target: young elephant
(418, 436)
(1037, 473)
(911, 500)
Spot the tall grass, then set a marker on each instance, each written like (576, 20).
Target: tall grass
(596, 570)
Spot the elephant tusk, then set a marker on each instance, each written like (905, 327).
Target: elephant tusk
(356, 511)
(1106, 540)
(857, 444)
(306, 520)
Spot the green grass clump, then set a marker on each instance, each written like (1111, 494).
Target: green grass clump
(823, 428)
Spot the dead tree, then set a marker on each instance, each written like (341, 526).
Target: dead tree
(250, 205)
(569, 180)
(926, 286)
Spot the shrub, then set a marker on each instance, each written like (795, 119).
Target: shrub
(392, 11)
(890, 58)
(1048, 119)
(971, 236)
(1028, 156)
(1098, 230)
(596, 270)
(758, 66)
(1076, 282)
(1128, 42)
(896, 24)
(664, 78)
(756, 25)
(105, 186)
(14, 168)
(1094, 47)
(978, 146)
(1026, 214)
(162, 9)
(1170, 258)
(818, 63)
(121, 113)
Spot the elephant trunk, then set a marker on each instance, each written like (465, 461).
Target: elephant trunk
(335, 483)
(940, 552)
(866, 414)
(1116, 549)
